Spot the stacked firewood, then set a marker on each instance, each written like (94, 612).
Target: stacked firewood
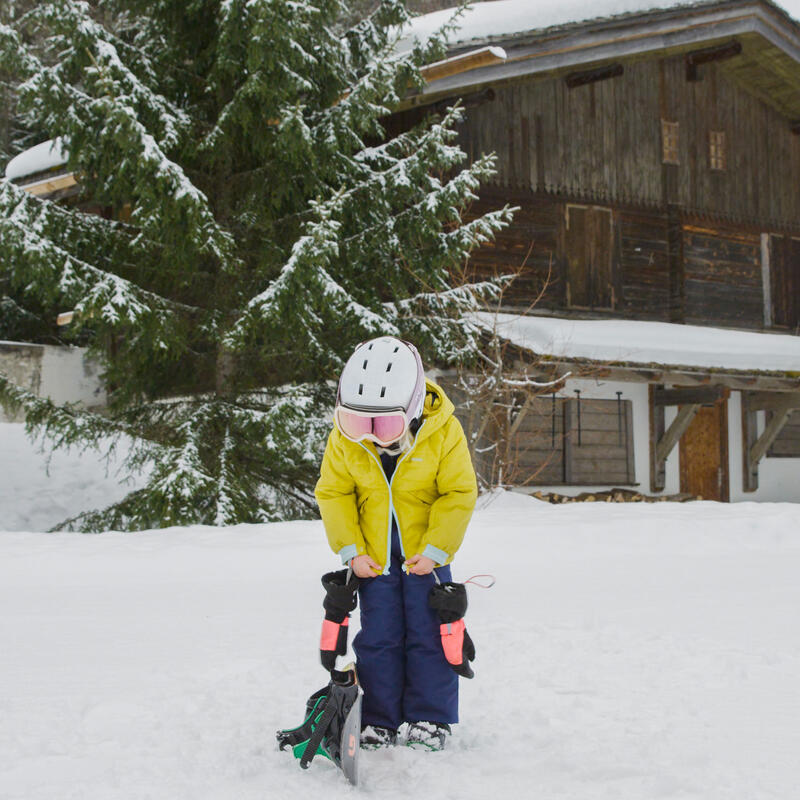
(615, 496)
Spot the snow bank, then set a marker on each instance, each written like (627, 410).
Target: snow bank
(648, 342)
(44, 156)
(502, 17)
(627, 652)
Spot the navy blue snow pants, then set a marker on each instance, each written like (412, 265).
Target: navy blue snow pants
(401, 665)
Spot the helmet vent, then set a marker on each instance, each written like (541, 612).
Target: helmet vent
(396, 349)
(370, 346)
(389, 367)
(361, 388)
(364, 365)
(383, 391)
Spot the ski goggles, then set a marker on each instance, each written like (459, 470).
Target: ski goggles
(382, 427)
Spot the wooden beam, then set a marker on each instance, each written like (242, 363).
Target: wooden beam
(764, 442)
(50, 185)
(678, 427)
(773, 401)
(708, 54)
(475, 59)
(701, 395)
(575, 79)
(467, 101)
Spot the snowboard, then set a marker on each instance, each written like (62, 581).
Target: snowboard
(350, 745)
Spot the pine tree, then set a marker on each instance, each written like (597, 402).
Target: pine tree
(262, 225)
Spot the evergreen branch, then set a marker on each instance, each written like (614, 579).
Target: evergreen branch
(144, 165)
(41, 264)
(68, 426)
(75, 27)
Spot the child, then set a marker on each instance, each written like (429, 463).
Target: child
(396, 492)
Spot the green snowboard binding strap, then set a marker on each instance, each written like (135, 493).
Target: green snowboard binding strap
(321, 731)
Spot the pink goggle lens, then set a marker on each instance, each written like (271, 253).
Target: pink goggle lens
(389, 428)
(352, 425)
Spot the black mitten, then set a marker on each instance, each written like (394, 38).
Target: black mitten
(340, 600)
(449, 600)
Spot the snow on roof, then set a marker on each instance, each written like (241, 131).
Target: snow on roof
(44, 156)
(664, 343)
(505, 17)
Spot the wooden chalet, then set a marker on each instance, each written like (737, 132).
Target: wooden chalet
(655, 161)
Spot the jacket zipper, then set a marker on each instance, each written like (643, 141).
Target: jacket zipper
(391, 501)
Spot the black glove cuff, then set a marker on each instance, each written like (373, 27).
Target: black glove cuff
(448, 600)
(340, 594)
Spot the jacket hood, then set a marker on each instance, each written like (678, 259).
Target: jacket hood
(437, 410)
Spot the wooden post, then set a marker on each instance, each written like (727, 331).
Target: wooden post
(749, 436)
(570, 430)
(658, 472)
(755, 447)
(673, 434)
(629, 442)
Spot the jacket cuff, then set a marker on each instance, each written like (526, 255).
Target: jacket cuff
(437, 555)
(347, 552)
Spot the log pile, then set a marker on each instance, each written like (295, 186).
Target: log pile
(615, 496)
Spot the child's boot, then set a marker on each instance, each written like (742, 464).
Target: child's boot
(375, 736)
(427, 735)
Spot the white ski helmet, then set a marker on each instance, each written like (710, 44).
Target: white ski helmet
(383, 378)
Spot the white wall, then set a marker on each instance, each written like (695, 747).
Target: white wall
(69, 376)
(63, 374)
(778, 478)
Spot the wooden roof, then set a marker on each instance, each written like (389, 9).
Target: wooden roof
(768, 65)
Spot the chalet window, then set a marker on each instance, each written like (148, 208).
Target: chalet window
(572, 441)
(669, 142)
(717, 157)
(784, 280)
(787, 443)
(588, 248)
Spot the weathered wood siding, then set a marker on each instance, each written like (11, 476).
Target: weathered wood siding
(722, 278)
(528, 248)
(787, 444)
(571, 441)
(602, 142)
(643, 265)
(784, 267)
(538, 244)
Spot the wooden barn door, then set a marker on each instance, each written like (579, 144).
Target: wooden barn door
(704, 454)
(589, 238)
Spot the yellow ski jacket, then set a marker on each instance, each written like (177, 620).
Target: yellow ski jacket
(432, 492)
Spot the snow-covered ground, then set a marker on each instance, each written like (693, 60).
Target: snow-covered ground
(39, 489)
(626, 651)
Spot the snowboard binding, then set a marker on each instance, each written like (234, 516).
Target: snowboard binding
(331, 727)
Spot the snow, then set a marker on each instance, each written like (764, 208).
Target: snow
(648, 342)
(35, 496)
(501, 17)
(44, 156)
(627, 652)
